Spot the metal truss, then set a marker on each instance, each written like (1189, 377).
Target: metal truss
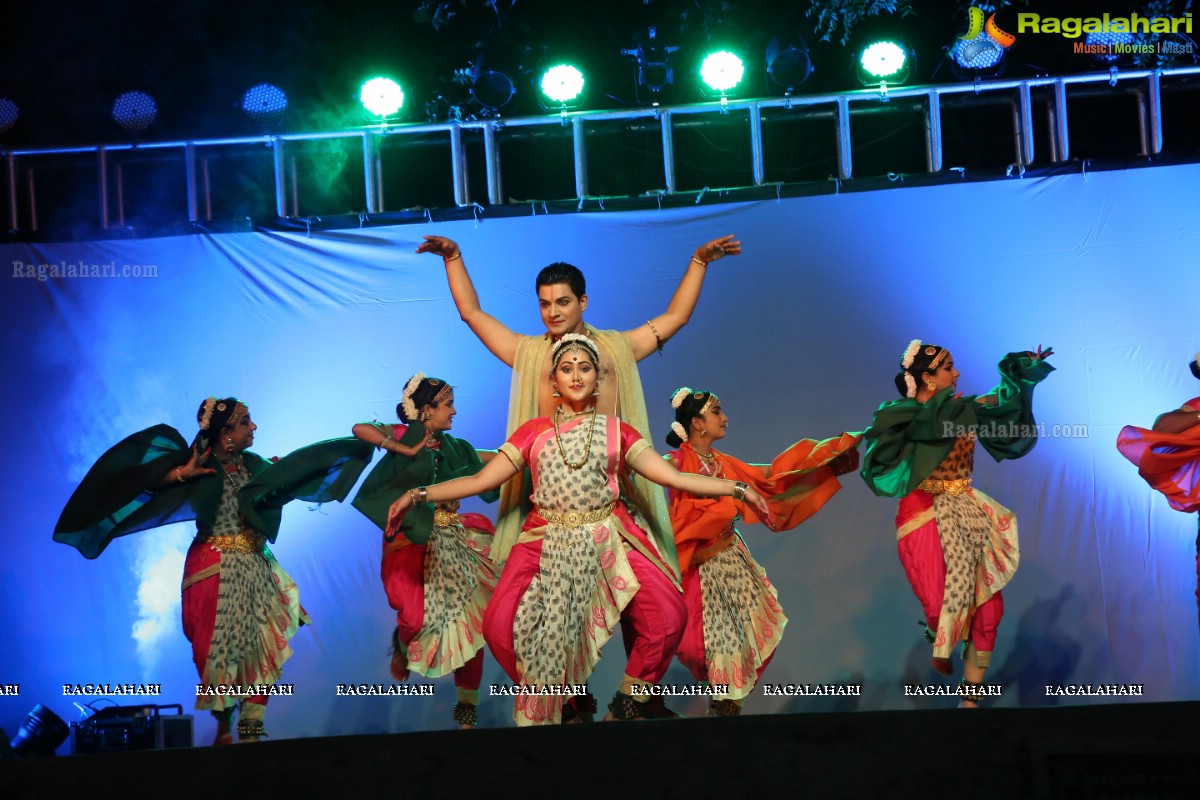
(1053, 95)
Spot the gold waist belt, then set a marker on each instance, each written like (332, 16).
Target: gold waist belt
(444, 517)
(954, 487)
(240, 542)
(573, 519)
(724, 539)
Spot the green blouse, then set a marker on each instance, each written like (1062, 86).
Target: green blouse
(118, 496)
(395, 474)
(908, 439)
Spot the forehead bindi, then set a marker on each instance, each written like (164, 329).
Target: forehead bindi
(575, 358)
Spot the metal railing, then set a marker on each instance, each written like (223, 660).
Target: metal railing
(1145, 84)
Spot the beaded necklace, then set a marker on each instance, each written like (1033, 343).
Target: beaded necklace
(708, 464)
(587, 449)
(235, 475)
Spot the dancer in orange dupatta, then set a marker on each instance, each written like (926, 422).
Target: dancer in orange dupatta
(734, 618)
(1168, 457)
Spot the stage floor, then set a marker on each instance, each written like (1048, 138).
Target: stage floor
(1143, 750)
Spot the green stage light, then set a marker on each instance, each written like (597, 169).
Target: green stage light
(722, 71)
(562, 86)
(883, 62)
(383, 97)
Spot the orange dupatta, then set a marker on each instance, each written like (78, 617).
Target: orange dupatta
(798, 483)
(1169, 462)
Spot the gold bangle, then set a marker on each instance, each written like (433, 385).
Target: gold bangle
(698, 261)
(739, 490)
(423, 493)
(383, 442)
(179, 474)
(451, 258)
(657, 339)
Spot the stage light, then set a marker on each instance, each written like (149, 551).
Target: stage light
(492, 89)
(561, 87)
(265, 104)
(40, 734)
(653, 62)
(980, 51)
(9, 113)
(721, 72)
(382, 97)
(1103, 45)
(788, 65)
(882, 63)
(134, 111)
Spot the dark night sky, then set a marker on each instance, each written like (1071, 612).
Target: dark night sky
(64, 63)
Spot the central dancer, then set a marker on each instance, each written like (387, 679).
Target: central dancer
(582, 562)
(562, 300)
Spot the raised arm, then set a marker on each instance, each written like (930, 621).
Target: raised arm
(993, 399)
(494, 473)
(189, 470)
(653, 467)
(494, 334)
(377, 435)
(646, 339)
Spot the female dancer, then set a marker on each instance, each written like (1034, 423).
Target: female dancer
(734, 619)
(1167, 457)
(240, 609)
(436, 570)
(582, 562)
(958, 546)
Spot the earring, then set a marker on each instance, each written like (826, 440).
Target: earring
(555, 393)
(931, 386)
(228, 444)
(596, 391)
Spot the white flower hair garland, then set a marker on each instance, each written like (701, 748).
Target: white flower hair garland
(406, 401)
(206, 416)
(906, 361)
(679, 431)
(678, 397)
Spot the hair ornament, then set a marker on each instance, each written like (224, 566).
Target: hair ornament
(206, 417)
(679, 431)
(678, 396)
(575, 341)
(910, 353)
(406, 401)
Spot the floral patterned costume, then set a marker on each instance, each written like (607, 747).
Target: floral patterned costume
(581, 563)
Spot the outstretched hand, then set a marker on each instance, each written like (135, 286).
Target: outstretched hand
(760, 505)
(1040, 355)
(718, 249)
(396, 512)
(439, 245)
(192, 468)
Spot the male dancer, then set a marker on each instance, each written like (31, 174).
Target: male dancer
(562, 298)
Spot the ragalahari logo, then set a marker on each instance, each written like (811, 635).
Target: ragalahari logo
(983, 45)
